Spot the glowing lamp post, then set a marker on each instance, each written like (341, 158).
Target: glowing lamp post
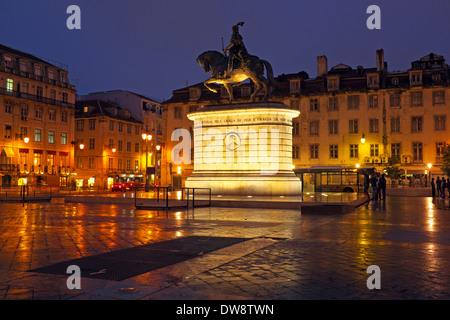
(146, 138)
(428, 173)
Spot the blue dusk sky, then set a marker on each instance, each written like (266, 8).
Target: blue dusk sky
(150, 47)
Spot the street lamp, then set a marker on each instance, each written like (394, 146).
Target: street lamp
(363, 139)
(428, 174)
(26, 139)
(146, 138)
(158, 159)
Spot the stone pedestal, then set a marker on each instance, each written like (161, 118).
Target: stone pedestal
(244, 149)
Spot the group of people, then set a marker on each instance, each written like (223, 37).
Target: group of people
(438, 188)
(376, 184)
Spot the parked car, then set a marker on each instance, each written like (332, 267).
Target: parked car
(117, 187)
(130, 185)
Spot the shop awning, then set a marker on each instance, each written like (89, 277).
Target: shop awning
(8, 151)
(415, 171)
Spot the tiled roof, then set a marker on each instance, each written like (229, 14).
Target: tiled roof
(102, 107)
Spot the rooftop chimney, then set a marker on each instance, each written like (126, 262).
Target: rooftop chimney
(322, 66)
(380, 60)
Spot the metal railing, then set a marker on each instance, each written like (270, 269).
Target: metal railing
(27, 193)
(168, 197)
(38, 98)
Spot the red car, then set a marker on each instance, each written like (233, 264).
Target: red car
(117, 187)
(129, 185)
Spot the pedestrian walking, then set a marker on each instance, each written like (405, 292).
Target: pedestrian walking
(438, 187)
(433, 188)
(366, 185)
(443, 187)
(448, 187)
(382, 186)
(373, 185)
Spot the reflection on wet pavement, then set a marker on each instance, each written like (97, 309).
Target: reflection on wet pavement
(309, 257)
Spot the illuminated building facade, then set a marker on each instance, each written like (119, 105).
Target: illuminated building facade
(146, 110)
(348, 116)
(108, 145)
(37, 120)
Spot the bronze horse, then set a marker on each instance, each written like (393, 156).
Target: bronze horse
(253, 69)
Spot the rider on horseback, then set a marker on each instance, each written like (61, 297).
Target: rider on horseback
(237, 49)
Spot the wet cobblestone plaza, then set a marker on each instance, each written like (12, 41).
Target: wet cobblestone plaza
(286, 255)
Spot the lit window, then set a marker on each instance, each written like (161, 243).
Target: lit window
(63, 138)
(51, 137)
(37, 135)
(9, 85)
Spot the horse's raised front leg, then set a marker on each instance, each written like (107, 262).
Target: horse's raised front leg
(212, 80)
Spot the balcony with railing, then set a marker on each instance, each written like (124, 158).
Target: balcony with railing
(37, 98)
(34, 169)
(14, 69)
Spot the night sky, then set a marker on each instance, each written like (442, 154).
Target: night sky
(150, 47)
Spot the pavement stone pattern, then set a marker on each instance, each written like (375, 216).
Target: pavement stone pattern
(289, 256)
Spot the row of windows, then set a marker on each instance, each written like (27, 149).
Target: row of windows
(128, 145)
(38, 70)
(37, 159)
(415, 78)
(353, 149)
(38, 135)
(38, 112)
(92, 123)
(353, 101)
(417, 124)
(24, 88)
(120, 164)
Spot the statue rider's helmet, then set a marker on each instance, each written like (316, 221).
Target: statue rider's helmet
(235, 28)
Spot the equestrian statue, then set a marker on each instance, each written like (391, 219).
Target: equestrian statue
(237, 67)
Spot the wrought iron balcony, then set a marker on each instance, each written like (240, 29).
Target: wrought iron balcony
(38, 98)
